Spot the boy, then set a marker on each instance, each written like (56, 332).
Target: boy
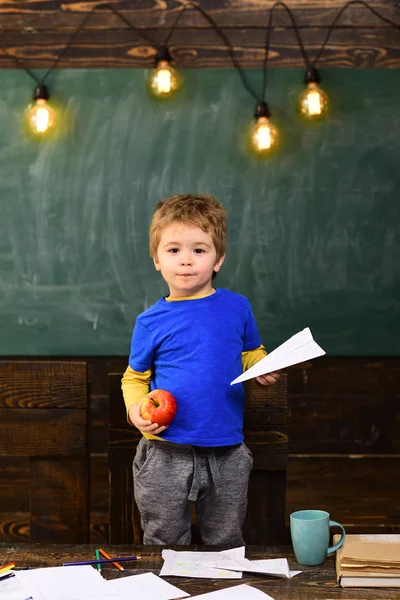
(193, 343)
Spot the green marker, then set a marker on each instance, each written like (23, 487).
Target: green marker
(98, 558)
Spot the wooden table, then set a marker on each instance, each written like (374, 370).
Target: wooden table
(315, 583)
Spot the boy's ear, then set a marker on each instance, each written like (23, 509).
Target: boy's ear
(156, 263)
(219, 262)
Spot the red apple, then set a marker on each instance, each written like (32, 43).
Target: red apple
(159, 406)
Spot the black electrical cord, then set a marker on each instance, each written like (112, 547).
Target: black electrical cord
(167, 39)
(268, 39)
(40, 81)
(229, 47)
(150, 40)
(336, 19)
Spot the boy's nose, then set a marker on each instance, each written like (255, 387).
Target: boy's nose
(185, 260)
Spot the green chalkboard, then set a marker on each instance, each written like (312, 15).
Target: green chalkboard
(313, 232)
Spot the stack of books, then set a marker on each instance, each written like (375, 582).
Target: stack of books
(368, 560)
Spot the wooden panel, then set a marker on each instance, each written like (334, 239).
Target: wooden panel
(362, 493)
(99, 513)
(121, 504)
(14, 526)
(59, 501)
(41, 432)
(122, 446)
(266, 508)
(345, 424)
(53, 491)
(201, 48)
(346, 376)
(32, 384)
(15, 483)
(327, 398)
(45, 14)
(98, 369)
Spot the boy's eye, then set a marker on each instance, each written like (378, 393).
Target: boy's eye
(199, 250)
(173, 250)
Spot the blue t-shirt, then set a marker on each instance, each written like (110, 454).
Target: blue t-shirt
(194, 348)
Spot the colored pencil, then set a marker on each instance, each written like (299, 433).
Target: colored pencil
(120, 567)
(102, 561)
(4, 576)
(98, 558)
(7, 567)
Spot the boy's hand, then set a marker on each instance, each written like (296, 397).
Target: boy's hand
(143, 425)
(268, 379)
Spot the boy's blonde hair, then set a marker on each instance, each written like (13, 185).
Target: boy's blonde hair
(198, 210)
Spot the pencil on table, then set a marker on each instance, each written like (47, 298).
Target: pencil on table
(98, 558)
(7, 567)
(120, 567)
(101, 561)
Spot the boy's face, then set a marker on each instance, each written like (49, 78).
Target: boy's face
(186, 257)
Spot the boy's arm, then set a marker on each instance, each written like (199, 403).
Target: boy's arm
(135, 386)
(251, 357)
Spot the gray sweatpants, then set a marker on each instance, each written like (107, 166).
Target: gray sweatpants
(168, 477)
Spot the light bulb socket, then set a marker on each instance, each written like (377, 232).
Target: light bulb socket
(163, 54)
(262, 110)
(41, 92)
(312, 76)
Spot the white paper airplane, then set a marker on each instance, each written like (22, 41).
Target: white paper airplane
(295, 350)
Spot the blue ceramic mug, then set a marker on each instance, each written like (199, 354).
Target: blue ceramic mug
(310, 530)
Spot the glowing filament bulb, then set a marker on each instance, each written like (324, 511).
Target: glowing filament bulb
(41, 116)
(313, 102)
(164, 80)
(263, 136)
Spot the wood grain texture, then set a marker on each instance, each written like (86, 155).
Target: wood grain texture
(315, 583)
(48, 14)
(361, 492)
(42, 432)
(15, 481)
(44, 451)
(59, 501)
(30, 384)
(349, 424)
(37, 32)
(14, 526)
(343, 435)
(201, 49)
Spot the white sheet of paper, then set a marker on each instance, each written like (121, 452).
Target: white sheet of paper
(196, 564)
(66, 583)
(12, 589)
(297, 349)
(276, 567)
(146, 586)
(237, 592)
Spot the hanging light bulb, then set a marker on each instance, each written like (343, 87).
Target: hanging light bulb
(313, 101)
(263, 136)
(41, 116)
(164, 79)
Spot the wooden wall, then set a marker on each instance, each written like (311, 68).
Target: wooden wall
(38, 32)
(344, 440)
